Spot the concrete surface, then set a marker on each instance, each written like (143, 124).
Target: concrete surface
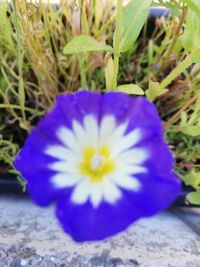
(191, 216)
(30, 236)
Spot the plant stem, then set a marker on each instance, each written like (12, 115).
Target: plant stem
(116, 43)
(194, 7)
(83, 75)
(84, 21)
(175, 38)
(179, 69)
(21, 91)
(31, 110)
(175, 117)
(105, 26)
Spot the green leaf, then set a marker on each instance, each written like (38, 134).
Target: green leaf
(130, 89)
(194, 197)
(193, 5)
(192, 130)
(192, 178)
(191, 36)
(85, 43)
(154, 91)
(190, 125)
(183, 119)
(3, 84)
(133, 19)
(6, 31)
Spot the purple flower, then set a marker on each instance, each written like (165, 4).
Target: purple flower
(102, 159)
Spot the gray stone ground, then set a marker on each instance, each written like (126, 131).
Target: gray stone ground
(30, 236)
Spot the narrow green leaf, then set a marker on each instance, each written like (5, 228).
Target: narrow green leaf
(85, 43)
(109, 71)
(99, 9)
(133, 19)
(131, 89)
(6, 34)
(194, 197)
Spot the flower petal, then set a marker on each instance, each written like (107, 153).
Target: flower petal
(126, 182)
(62, 180)
(96, 195)
(130, 169)
(107, 128)
(68, 139)
(91, 128)
(116, 137)
(111, 192)
(69, 167)
(128, 141)
(80, 134)
(133, 156)
(81, 192)
(59, 152)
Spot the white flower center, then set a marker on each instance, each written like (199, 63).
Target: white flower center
(97, 161)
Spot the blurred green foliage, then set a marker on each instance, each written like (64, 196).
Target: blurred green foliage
(34, 70)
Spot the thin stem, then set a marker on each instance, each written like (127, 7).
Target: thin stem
(179, 69)
(10, 106)
(116, 43)
(83, 75)
(176, 36)
(177, 114)
(105, 26)
(21, 91)
(85, 26)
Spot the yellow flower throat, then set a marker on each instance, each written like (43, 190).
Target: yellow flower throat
(96, 163)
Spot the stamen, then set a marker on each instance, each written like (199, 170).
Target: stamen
(96, 163)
